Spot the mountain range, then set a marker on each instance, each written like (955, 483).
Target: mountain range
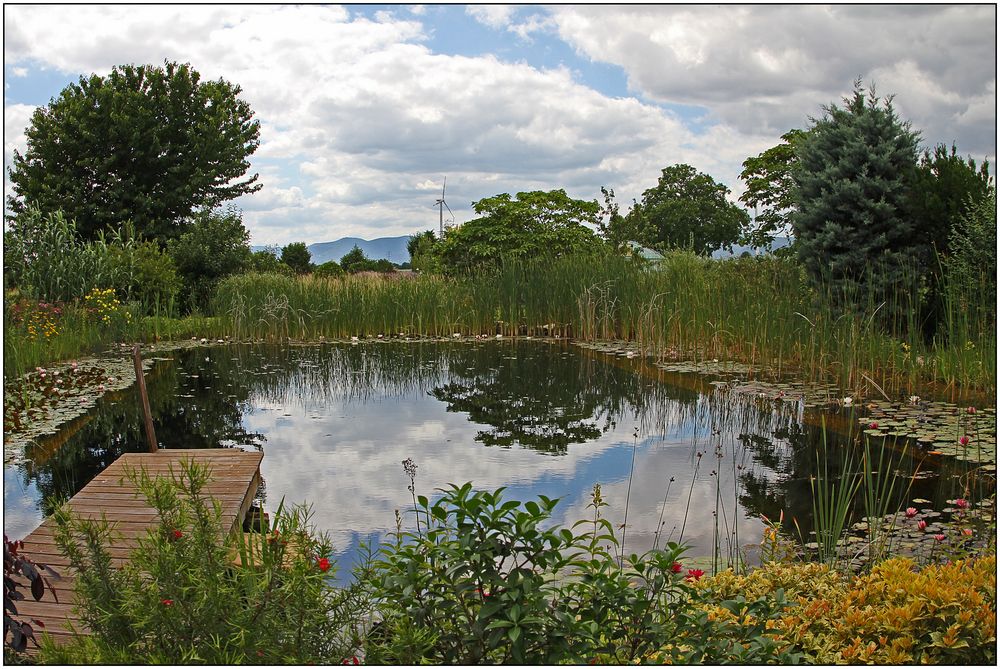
(392, 249)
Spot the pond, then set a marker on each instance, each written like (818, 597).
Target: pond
(685, 455)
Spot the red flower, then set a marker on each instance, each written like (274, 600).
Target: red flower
(323, 564)
(939, 537)
(873, 425)
(964, 440)
(962, 503)
(178, 534)
(167, 602)
(676, 567)
(694, 574)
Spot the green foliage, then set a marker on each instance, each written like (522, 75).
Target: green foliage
(194, 593)
(149, 144)
(44, 258)
(484, 580)
(148, 276)
(769, 192)
(530, 225)
(686, 209)
(944, 186)
(328, 269)
(852, 183)
(267, 261)
(423, 256)
(355, 261)
(297, 256)
(215, 245)
(738, 309)
(972, 264)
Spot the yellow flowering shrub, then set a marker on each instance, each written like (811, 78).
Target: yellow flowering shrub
(105, 308)
(897, 614)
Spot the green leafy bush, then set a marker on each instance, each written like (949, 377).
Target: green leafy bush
(193, 593)
(330, 268)
(484, 580)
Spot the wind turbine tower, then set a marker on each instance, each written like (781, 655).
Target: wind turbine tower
(442, 205)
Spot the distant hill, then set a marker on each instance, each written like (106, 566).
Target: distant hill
(388, 248)
(779, 242)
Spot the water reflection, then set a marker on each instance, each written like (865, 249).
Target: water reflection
(336, 421)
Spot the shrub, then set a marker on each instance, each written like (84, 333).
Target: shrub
(484, 580)
(182, 598)
(942, 614)
(328, 269)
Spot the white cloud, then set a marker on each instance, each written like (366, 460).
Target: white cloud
(766, 69)
(494, 16)
(358, 115)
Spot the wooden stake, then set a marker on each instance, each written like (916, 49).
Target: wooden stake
(141, 383)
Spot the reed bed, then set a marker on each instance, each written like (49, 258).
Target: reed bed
(761, 311)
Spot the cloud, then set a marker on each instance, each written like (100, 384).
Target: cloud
(493, 16)
(359, 114)
(766, 69)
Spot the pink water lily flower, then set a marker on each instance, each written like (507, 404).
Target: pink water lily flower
(921, 524)
(910, 512)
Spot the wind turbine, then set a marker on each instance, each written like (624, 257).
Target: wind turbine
(442, 205)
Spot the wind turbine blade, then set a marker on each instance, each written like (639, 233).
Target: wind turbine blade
(448, 208)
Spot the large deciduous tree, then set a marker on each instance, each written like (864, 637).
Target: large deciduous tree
(146, 144)
(768, 177)
(531, 224)
(686, 209)
(852, 179)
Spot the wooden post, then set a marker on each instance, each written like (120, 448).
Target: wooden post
(141, 384)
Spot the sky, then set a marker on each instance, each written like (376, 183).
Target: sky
(366, 109)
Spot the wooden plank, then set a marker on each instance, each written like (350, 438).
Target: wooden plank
(233, 483)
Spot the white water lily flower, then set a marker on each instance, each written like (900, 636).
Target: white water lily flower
(848, 401)
(914, 399)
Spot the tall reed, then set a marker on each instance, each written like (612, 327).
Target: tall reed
(761, 311)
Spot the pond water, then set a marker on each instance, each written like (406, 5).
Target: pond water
(688, 460)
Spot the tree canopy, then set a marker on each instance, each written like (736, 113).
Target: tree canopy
(146, 144)
(297, 256)
(213, 247)
(686, 209)
(536, 223)
(768, 177)
(944, 186)
(852, 183)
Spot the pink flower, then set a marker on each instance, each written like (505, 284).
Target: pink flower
(971, 410)
(964, 440)
(910, 512)
(939, 537)
(873, 425)
(694, 574)
(921, 525)
(967, 531)
(962, 503)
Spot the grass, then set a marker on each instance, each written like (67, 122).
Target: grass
(759, 311)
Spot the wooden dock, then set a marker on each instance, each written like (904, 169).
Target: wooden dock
(235, 477)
